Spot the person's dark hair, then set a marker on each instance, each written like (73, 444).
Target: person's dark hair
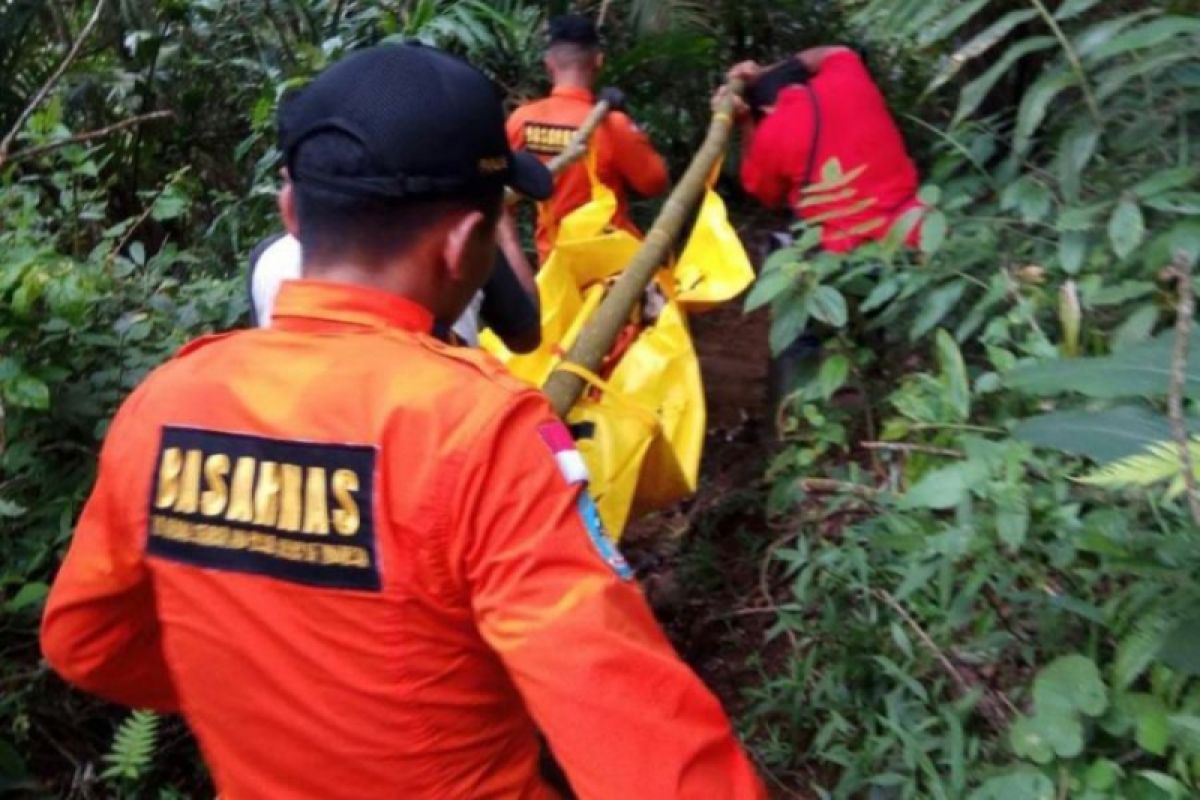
(764, 92)
(338, 225)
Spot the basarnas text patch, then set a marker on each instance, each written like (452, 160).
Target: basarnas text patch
(296, 511)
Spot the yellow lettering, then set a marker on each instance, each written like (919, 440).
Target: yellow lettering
(189, 483)
(345, 517)
(291, 501)
(214, 498)
(168, 477)
(241, 495)
(316, 502)
(266, 494)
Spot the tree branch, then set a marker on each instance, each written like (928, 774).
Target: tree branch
(906, 447)
(995, 707)
(1181, 268)
(55, 77)
(87, 136)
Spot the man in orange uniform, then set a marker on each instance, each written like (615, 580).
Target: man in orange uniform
(625, 159)
(361, 563)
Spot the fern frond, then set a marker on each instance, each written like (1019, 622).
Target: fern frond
(1159, 463)
(1137, 650)
(133, 746)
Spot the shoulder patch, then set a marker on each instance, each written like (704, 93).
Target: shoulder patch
(545, 139)
(557, 437)
(300, 512)
(605, 546)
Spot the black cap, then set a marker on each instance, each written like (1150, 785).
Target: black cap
(573, 29)
(767, 86)
(429, 124)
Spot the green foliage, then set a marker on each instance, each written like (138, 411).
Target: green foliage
(132, 751)
(968, 620)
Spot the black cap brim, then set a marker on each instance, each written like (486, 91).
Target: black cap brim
(530, 177)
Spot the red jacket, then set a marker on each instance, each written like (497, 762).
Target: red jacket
(347, 554)
(857, 129)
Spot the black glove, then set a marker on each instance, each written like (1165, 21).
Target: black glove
(614, 97)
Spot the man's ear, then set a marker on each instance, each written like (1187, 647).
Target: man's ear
(599, 60)
(287, 209)
(460, 238)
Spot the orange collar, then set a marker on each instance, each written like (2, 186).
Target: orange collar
(573, 92)
(304, 302)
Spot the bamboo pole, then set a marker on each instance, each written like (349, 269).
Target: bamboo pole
(575, 148)
(563, 388)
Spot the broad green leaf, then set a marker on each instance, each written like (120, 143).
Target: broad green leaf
(827, 305)
(943, 488)
(1012, 517)
(1070, 683)
(1185, 732)
(974, 92)
(1079, 218)
(1176, 203)
(1147, 35)
(947, 25)
(1104, 435)
(26, 391)
(787, 326)
(769, 285)
(1027, 195)
(979, 44)
(937, 305)
(883, 292)
(1126, 229)
(1075, 150)
(170, 204)
(28, 595)
(1072, 250)
(1096, 36)
(1027, 784)
(833, 374)
(10, 509)
(1138, 327)
(1174, 789)
(1139, 370)
(933, 231)
(1116, 79)
(1073, 8)
(1102, 774)
(954, 374)
(1045, 735)
(1035, 102)
(1152, 731)
(1164, 181)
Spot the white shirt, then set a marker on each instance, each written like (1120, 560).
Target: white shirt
(281, 262)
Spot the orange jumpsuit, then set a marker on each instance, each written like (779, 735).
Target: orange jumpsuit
(348, 555)
(625, 157)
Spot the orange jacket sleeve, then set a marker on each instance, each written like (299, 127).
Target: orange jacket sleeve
(100, 629)
(623, 714)
(515, 128)
(637, 161)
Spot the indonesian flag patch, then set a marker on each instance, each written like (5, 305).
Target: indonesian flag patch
(562, 446)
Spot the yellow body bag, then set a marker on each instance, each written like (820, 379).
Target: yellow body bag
(641, 430)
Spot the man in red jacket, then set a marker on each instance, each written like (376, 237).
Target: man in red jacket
(818, 105)
(360, 562)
